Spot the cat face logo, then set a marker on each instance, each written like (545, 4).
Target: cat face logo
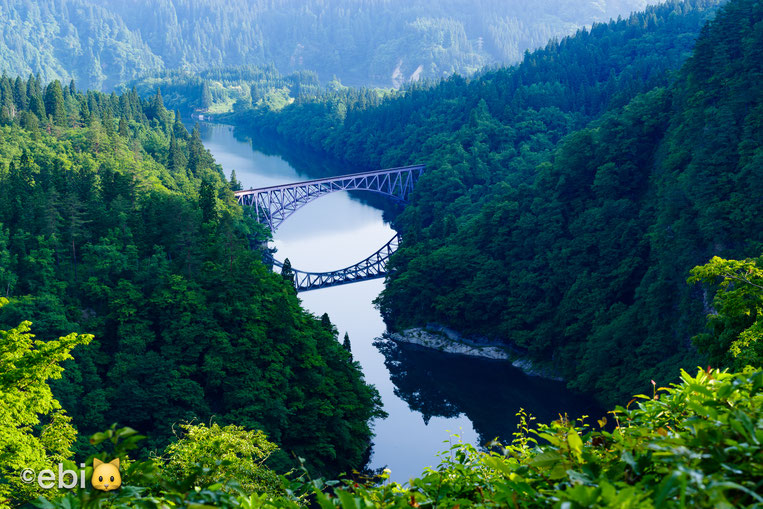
(106, 475)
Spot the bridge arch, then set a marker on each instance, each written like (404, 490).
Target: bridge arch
(274, 204)
(373, 267)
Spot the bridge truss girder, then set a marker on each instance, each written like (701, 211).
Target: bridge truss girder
(373, 267)
(273, 205)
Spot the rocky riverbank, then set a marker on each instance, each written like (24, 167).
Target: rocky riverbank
(449, 341)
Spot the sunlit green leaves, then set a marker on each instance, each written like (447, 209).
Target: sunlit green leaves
(736, 325)
(34, 431)
(665, 453)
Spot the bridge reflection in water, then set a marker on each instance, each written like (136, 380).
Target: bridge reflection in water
(273, 205)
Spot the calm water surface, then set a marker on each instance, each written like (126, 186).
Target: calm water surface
(428, 395)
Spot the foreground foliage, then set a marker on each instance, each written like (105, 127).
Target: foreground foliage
(694, 444)
(222, 454)
(35, 431)
(735, 336)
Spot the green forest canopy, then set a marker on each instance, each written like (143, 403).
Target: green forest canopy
(694, 444)
(116, 222)
(577, 240)
(567, 199)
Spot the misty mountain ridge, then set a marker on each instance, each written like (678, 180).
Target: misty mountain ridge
(379, 43)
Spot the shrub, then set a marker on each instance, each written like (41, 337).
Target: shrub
(695, 444)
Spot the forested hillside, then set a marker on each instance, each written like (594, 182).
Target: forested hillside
(597, 208)
(384, 43)
(222, 90)
(571, 243)
(103, 43)
(116, 222)
(71, 39)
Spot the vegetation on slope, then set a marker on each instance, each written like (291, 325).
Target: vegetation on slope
(694, 444)
(564, 238)
(223, 90)
(103, 43)
(75, 39)
(35, 431)
(116, 222)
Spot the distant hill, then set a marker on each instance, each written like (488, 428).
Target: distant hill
(383, 43)
(71, 39)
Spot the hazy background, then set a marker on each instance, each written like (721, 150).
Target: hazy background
(101, 43)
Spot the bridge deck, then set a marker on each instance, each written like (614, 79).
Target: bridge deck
(329, 179)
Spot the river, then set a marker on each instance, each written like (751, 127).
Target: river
(428, 395)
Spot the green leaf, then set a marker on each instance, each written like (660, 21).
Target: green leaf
(546, 459)
(575, 443)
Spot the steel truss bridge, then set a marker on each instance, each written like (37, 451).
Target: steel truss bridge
(273, 205)
(373, 267)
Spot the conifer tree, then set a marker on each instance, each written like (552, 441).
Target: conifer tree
(206, 96)
(178, 128)
(235, 185)
(156, 108)
(84, 113)
(34, 99)
(108, 123)
(7, 276)
(195, 152)
(19, 94)
(123, 127)
(176, 158)
(286, 271)
(7, 104)
(208, 201)
(54, 103)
